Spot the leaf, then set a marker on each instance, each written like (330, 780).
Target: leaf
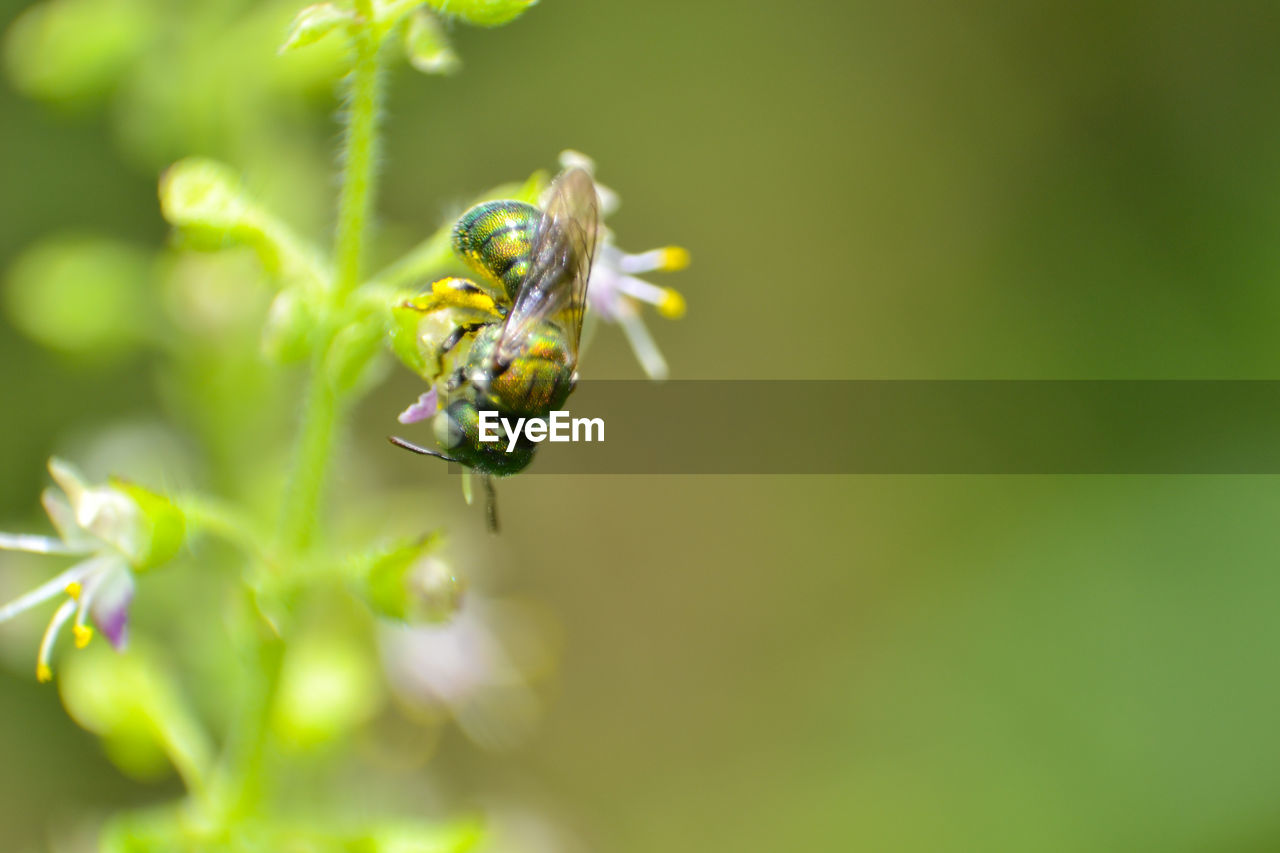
(314, 23)
(482, 13)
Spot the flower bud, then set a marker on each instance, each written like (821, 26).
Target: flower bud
(82, 295)
(427, 46)
(406, 339)
(327, 688)
(114, 697)
(410, 584)
(164, 525)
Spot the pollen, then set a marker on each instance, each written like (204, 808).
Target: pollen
(83, 634)
(74, 589)
(43, 674)
(672, 304)
(674, 258)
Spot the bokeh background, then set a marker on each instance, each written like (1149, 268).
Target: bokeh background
(908, 190)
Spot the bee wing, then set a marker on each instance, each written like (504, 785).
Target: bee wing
(555, 287)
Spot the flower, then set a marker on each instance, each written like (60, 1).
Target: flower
(479, 668)
(614, 293)
(119, 530)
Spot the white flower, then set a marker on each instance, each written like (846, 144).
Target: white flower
(614, 293)
(115, 535)
(478, 668)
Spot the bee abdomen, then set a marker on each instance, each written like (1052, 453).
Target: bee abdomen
(495, 239)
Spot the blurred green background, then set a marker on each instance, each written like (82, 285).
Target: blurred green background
(910, 190)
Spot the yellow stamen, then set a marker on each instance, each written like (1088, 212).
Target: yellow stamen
(60, 617)
(74, 589)
(674, 258)
(672, 304)
(83, 634)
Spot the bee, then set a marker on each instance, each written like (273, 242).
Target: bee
(506, 341)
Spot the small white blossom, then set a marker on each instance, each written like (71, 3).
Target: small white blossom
(478, 668)
(615, 293)
(112, 533)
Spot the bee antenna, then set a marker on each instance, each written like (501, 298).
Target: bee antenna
(409, 445)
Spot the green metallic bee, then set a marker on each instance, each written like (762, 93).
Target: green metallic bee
(508, 341)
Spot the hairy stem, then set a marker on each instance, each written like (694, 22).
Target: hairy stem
(322, 411)
(359, 154)
(322, 407)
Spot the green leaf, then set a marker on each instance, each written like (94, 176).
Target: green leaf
(482, 13)
(314, 23)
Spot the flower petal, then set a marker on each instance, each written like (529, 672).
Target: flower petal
(63, 517)
(109, 608)
(642, 344)
(51, 588)
(424, 408)
(607, 200)
(107, 513)
(37, 544)
(68, 478)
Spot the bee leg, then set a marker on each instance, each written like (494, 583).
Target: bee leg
(490, 504)
(455, 337)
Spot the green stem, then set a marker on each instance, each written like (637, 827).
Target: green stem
(322, 407)
(242, 778)
(311, 461)
(322, 411)
(359, 155)
(427, 258)
(215, 518)
(187, 746)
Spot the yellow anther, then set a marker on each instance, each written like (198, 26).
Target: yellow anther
(83, 634)
(674, 258)
(43, 674)
(672, 304)
(74, 589)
